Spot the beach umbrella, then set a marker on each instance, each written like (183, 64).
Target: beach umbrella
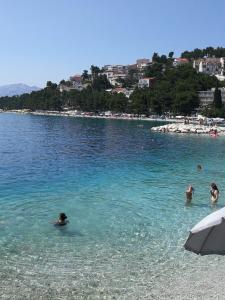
(208, 236)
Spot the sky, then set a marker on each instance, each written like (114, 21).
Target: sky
(43, 40)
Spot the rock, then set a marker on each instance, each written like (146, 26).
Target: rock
(188, 128)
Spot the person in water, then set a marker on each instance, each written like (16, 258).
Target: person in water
(199, 167)
(62, 220)
(189, 194)
(214, 193)
(214, 132)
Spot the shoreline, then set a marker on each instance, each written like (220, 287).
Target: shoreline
(173, 125)
(74, 114)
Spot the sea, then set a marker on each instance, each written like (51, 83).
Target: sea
(122, 187)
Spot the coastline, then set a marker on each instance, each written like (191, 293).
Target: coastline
(174, 125)
(76, 114)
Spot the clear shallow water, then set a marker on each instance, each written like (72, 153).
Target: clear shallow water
(122, 188)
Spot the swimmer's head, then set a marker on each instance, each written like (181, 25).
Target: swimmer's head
(199, 167)
(62, 216)
(214, 186)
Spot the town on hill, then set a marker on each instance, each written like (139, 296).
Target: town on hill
(193, 82)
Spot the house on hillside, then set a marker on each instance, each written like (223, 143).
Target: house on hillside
(120, 90)
(76, 81)
(146, 82)
(210, 65)
(114, 73)
(180, 61)
(75, 84)
(142, 63)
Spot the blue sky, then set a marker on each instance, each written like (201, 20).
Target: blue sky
(50, 39)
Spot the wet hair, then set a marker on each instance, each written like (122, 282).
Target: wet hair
(214, 186)
(199, 167)
(62, 216)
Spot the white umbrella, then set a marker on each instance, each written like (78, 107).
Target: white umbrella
(208, 236)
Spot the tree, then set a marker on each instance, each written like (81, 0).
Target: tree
(94, 71)
(159, 59)
(217, 101)
(51, 85)
(66, 83)
(118, 102)
(101, 83)
(85, 75)
(140, 102)
(200, 53)
(185, 102)
(163, 59)
(62, 82)
(171, 54)
(155, 57)
(155, 70)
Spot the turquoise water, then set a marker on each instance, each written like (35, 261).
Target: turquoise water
(122, 187)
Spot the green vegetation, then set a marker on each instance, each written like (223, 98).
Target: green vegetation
(217, 108)
(200, 53)
(51, 99)
(174, 90)
(101, 83)
(91, 100)
(47, 99)
(217, 101)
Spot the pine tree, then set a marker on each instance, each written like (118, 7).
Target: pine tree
(217, 101)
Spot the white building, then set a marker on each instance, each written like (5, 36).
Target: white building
(126, 92)
(146, 82)
(142, 63)
(76, 84)
(76, 81)
(210, 66)
(116, 69)
(180, 61)
(114, 72)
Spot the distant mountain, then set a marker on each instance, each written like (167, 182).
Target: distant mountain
(17, 89)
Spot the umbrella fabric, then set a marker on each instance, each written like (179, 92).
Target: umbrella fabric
(208, 236)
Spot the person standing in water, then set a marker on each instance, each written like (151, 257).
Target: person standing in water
(189, 194)
(214, 193)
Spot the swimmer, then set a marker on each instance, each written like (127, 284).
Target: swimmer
(61, 220)
(214, 193)
(214, 132)
(199, 167)
(189, 194)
